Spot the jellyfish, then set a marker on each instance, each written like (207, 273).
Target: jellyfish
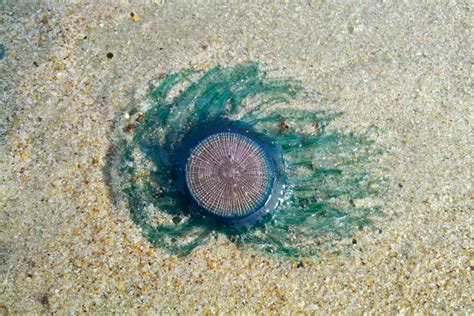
(225, 151)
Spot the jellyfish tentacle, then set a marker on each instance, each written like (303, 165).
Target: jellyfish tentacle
(180, 240)
(211, 103)
(161, 91)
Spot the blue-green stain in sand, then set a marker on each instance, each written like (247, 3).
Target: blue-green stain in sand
(226, 151)
(2, 51)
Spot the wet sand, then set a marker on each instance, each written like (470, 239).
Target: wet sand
(69, 72)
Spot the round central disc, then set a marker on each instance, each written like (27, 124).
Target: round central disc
(229, 175)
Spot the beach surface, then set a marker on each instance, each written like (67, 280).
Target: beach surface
(69, 71)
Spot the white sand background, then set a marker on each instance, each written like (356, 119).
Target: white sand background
(403, 66)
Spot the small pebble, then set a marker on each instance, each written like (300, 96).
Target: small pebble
(212, 265)
(135, 17)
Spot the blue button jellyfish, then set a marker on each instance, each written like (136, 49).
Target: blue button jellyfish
(223, 151)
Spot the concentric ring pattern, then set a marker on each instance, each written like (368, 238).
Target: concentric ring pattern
(229, 175)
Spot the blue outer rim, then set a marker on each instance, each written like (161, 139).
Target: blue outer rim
(271, 153)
